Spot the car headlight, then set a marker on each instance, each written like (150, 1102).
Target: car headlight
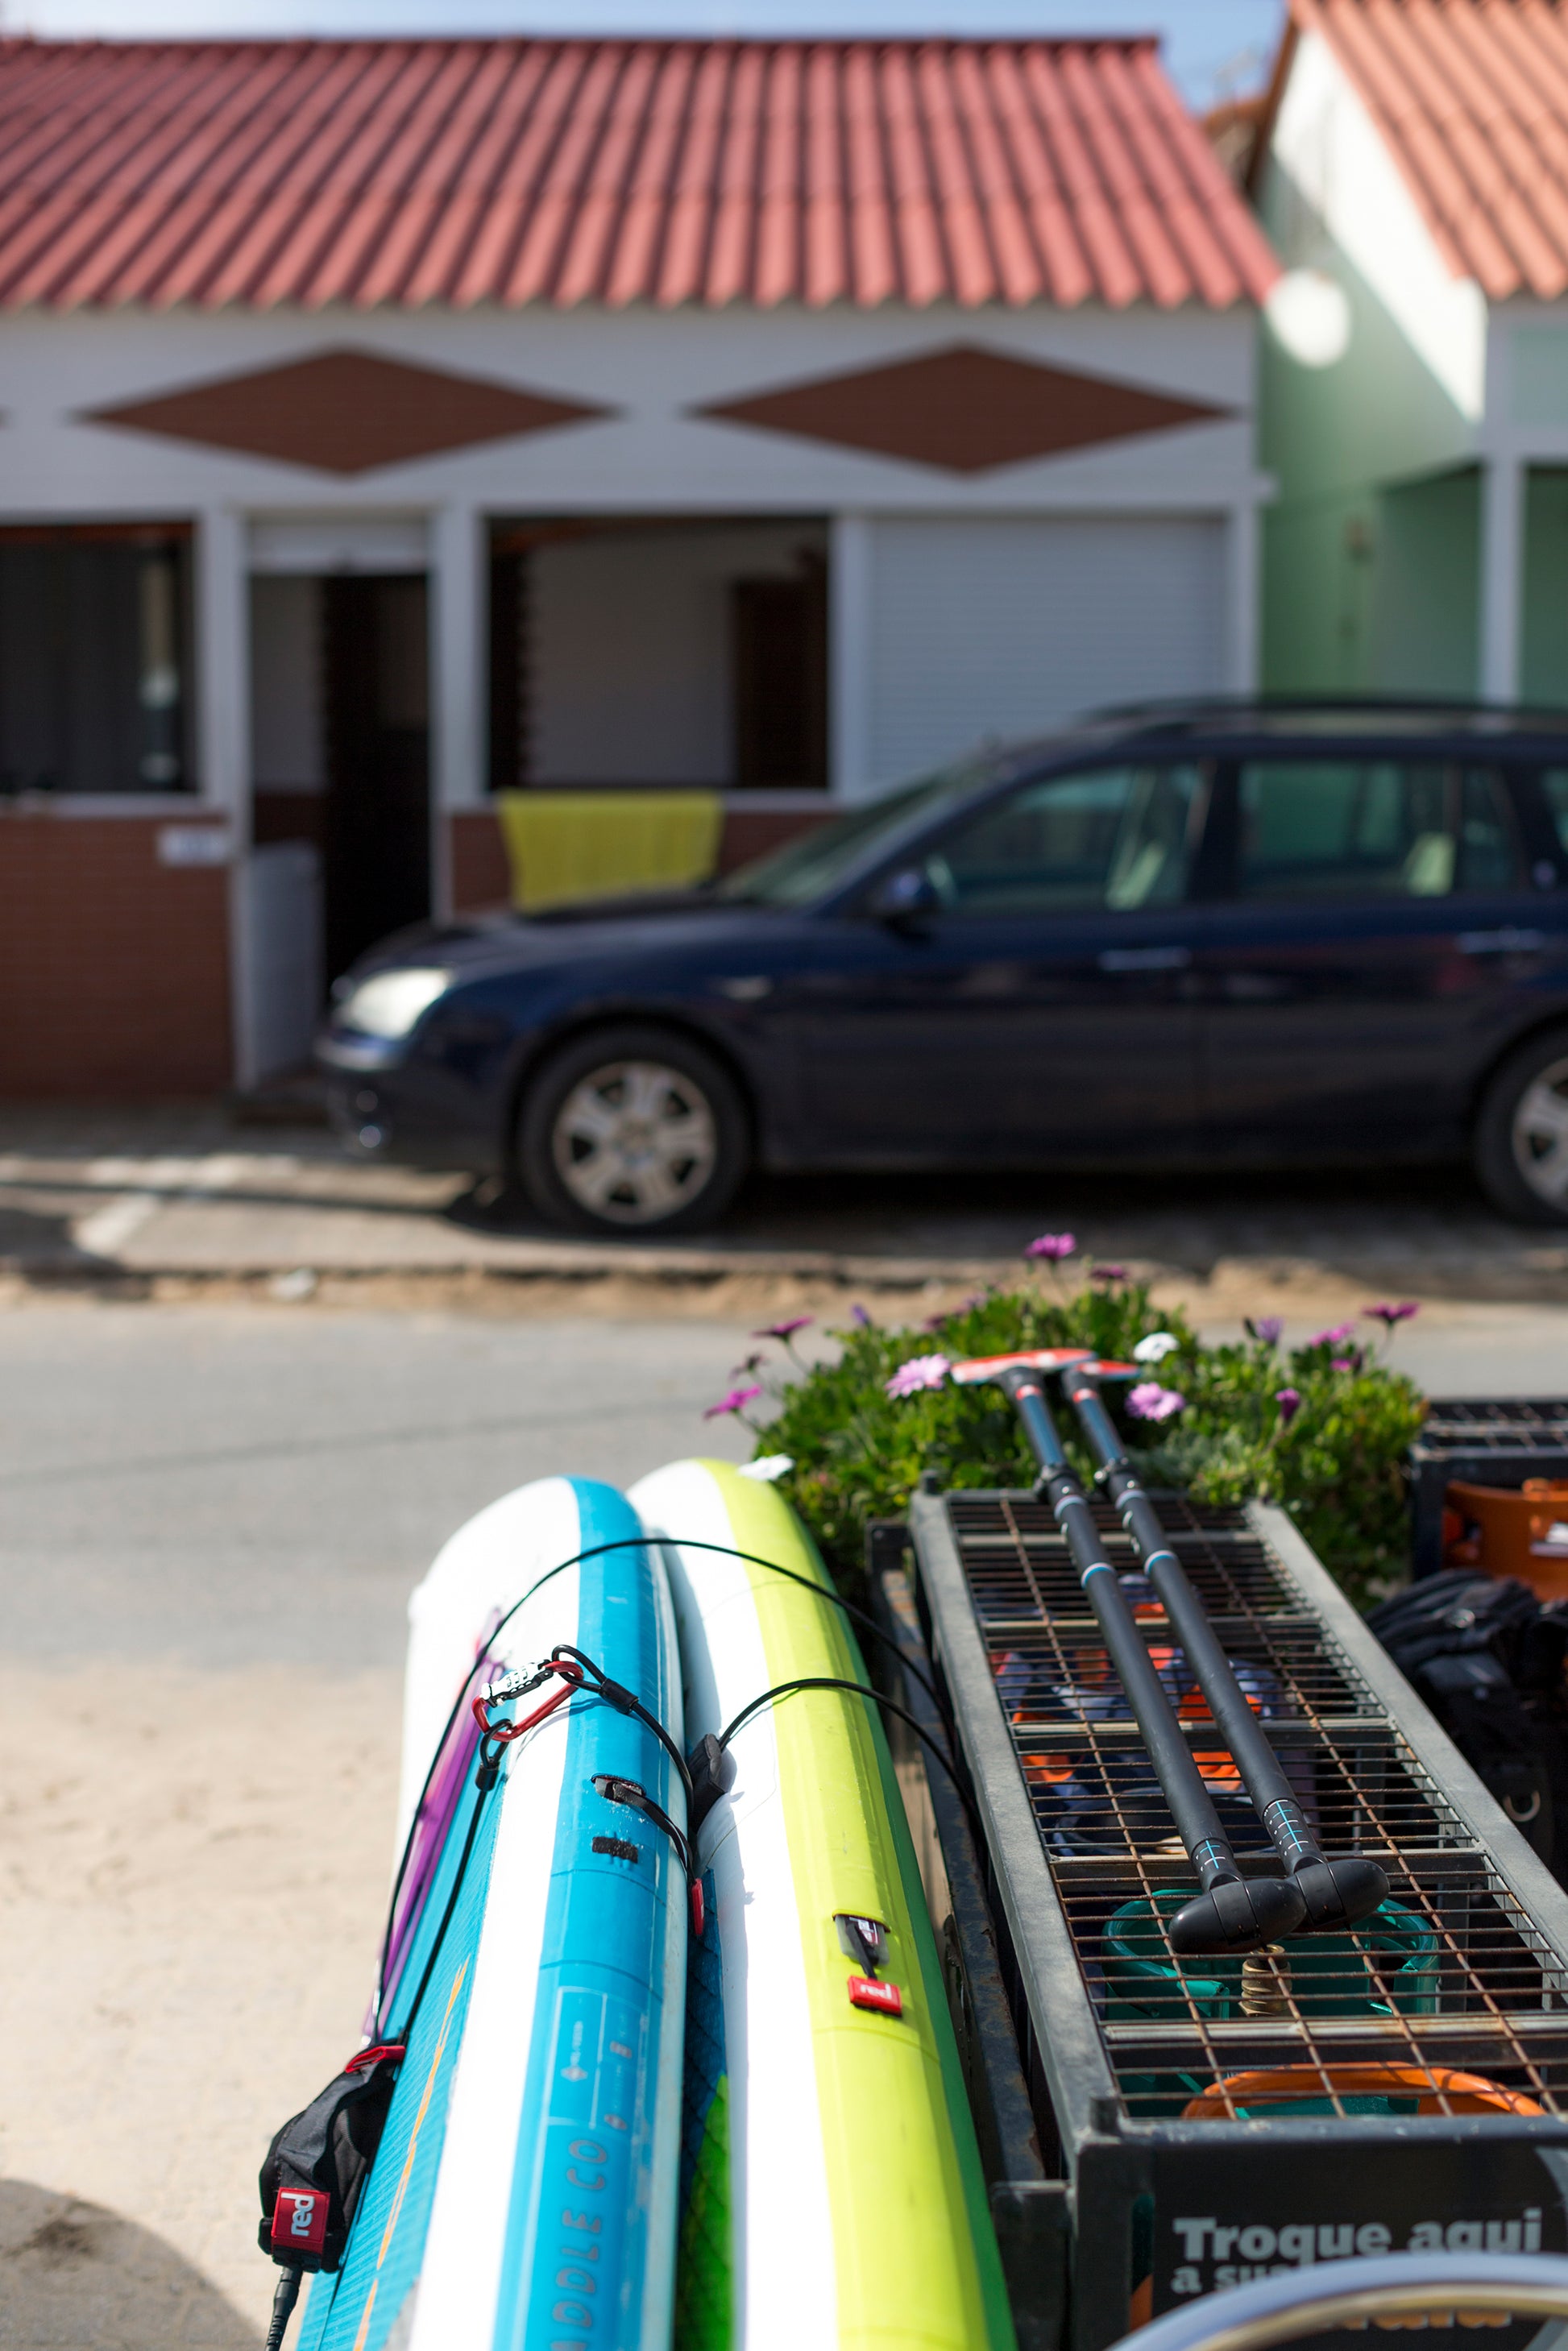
(389, 1003)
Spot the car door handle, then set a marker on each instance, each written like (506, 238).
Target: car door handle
(1508, 942)
(1144, 958)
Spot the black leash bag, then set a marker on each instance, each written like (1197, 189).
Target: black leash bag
(1487, 1657)
(317, 2166)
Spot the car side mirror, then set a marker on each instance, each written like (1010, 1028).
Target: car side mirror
(908, 895)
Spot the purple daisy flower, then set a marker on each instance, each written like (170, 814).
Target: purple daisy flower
(1388, 1315)
(1290, 1402)
(1149, 1401)
(736, 1400)
(919, 1372)
(1053, 1246)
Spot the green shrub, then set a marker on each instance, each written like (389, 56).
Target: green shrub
(1334, 1462)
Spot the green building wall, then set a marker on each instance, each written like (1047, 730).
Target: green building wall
(1372, 547)
(1543, 644)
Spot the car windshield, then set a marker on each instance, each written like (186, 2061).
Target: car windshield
(817, 863)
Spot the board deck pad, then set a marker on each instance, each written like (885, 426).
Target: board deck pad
(705, 2255)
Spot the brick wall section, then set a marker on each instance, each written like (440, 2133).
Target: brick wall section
(479, 875)
(114, 973)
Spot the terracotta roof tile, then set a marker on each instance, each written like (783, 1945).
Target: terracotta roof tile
(1471, 97)
(363, 173)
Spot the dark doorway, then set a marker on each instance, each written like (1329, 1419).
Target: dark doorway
(780, 640)
(376, 844)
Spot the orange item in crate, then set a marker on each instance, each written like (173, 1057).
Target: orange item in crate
(1465, 2094)
(1521, 1530)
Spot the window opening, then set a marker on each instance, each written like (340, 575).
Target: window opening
(1117, 838)
(94, 660)
(1348, 828)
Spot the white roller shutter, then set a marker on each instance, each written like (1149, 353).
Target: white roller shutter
(1005, 627)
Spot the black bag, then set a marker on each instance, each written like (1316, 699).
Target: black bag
(1487, 1658)
(317, 2165)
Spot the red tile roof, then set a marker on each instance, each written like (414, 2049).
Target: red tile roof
(465, 171)
(1471, 97)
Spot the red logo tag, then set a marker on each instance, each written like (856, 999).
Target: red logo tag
(299, 2221)
(865, 1993)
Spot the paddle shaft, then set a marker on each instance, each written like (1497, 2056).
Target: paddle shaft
(1197, 1823)
(1272, 1797)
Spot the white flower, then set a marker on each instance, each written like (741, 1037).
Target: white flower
(770, 1466)
(1155, 1347)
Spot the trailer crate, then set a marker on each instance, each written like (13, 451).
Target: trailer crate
(1160, 2122)
(1482, 1441)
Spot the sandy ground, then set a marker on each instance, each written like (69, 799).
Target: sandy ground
(192, 1874)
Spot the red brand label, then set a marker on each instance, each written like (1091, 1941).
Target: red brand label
(299, 2221)
(865, 1992)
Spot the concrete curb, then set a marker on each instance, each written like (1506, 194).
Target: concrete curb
(565, 1263)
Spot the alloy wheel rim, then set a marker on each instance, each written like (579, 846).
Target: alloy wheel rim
(1540, 1134)
(634, 1141)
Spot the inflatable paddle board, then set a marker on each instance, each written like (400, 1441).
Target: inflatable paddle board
(831, 2191)
(523, 2194)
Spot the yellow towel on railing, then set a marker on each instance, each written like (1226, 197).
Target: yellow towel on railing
(564, 845)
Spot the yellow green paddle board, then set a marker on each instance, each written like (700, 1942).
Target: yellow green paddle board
(831, 2191)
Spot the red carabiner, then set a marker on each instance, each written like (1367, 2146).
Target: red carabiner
(504, 1733)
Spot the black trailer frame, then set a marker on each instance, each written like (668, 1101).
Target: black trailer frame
(1156, 2207)
(1482, 1441)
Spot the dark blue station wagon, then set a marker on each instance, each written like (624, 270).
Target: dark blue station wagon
(1220, 934)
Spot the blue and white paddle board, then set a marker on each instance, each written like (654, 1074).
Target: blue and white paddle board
(523, 2197)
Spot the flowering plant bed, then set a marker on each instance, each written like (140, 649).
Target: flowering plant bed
(1321, 1429)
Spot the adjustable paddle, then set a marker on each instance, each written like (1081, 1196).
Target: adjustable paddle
(1231, 1912)
(1336, 1893)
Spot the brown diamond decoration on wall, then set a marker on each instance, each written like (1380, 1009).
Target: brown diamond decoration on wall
(965, 408)
(345, 411)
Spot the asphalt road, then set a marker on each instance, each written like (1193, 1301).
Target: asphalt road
(243, 1485)
(228, 1486)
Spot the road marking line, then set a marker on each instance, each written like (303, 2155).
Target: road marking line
(159, 1183)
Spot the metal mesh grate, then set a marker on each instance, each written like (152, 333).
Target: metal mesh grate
(1488, 1424)
(1449, 1981)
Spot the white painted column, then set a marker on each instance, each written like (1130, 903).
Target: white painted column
(221, 657)
(850, 656)
(221, 654)
(1243, 587)
(1502, 576)
(458, 651)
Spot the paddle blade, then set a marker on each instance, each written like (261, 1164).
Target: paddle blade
(981, 1368)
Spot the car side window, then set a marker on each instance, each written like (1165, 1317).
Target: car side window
(1373, 828)
(1117, 838)
(1554, 784)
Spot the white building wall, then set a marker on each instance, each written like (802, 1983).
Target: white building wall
(1352, 199)
(1003, 627)
(650, 453)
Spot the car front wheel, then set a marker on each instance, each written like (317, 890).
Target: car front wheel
(1521, 1132)
(632, 1130)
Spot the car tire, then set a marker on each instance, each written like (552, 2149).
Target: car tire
(633, 1131)
(1520, 1143)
